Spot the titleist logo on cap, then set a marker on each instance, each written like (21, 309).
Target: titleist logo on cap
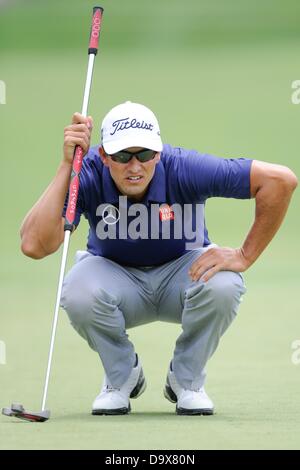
(122, 124)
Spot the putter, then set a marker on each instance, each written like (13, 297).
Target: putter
(16, 410)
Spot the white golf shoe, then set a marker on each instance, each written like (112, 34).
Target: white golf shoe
(189, 402)
(115, 401)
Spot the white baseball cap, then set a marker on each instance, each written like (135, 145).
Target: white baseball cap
(130, 125)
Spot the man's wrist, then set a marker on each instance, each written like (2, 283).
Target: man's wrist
(247, 261)
(66, 164)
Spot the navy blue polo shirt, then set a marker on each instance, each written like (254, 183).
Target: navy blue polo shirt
(170, 220)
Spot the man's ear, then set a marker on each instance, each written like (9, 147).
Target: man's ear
(103, 156)
(157, 157)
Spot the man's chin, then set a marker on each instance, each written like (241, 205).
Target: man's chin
(134, 193)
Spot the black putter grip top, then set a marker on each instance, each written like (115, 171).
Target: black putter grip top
(95, 30)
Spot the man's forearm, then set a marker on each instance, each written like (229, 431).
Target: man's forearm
(272, 186)
(41, 230)
(272, 201)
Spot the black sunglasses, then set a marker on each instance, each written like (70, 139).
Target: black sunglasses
(142, 156)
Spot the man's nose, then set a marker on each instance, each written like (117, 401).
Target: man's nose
(134, 165)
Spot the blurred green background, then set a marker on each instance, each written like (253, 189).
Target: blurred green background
(218, 74)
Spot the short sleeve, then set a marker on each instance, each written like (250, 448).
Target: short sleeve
(205, 175)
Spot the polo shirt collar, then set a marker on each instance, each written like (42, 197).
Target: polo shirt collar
(110, 191)
(157, 187)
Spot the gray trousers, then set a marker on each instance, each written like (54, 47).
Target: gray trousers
(103, 299)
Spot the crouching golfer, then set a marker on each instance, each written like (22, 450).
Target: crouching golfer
(148, 256)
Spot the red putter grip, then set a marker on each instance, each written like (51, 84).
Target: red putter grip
(73, 189)
(95, 30)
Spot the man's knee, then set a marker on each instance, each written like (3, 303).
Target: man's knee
(78, 304)
(226, 287)
(224, 290)
(89, 304)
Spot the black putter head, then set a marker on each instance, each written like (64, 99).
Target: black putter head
(17, 411)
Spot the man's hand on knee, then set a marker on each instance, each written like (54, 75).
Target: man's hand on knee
(218, 259)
